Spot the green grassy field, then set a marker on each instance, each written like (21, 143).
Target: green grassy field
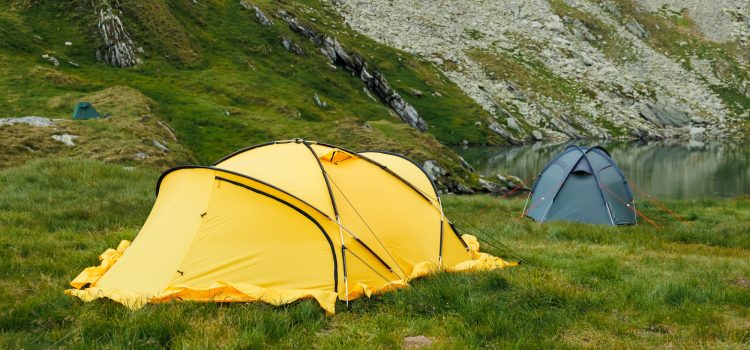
(686, 285)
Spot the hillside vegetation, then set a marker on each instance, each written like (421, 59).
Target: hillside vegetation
(219, 80)
(685, 285)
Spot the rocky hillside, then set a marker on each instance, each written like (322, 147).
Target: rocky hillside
(581, 68)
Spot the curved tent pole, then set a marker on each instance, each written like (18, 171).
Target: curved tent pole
(437, 196)
(325, 178)
(295, 208)
(565, 179)
(627, 185)
(328, 181)
(569, 148)
(251, 148)
(369, 160)
(338, 218)
(370, 229)
(168, 171)
(363, 157)
(617, 168)
(384, 168)
(434, 187)
(625, 181)
(412, 186)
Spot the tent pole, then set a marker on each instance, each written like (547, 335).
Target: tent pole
(442, 220)
(346, 278)
(527, 201)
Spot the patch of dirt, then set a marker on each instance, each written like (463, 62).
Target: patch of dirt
(660, 328)
(742, 282)
(418, 341)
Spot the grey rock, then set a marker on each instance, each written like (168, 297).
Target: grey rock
(564, 127)
(613, 10)
(33, 121)
(415, 92)
(696, 120)
(517, 93)
(318, 102)
(585, 59)
(67, 139)
(555, 26)
(498, 129)
(537, 135)
(459, 189)
(367, 92)
(580, 29)
(160, 146)
(299, 28)
(262, 19)
(662, 113)
(513, 124)
(408, 113)
(54, 61)
(116, 47)
(637, 29)
(434, 170)
(465, 164)
(141, 155)
(374, 81)
(128, 168)
(489, 186)
(292, 47)
(697, 132)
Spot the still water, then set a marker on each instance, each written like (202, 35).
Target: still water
(666, 169)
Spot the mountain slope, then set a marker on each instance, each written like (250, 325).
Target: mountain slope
(582, 68)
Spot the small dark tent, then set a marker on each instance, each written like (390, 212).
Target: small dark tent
(84, 110)
(582, 184)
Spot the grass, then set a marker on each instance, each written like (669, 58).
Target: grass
(222, 81)
(685, 285)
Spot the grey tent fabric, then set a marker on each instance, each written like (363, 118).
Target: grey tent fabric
(582, 184)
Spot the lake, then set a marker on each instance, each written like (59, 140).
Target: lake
(664, 169)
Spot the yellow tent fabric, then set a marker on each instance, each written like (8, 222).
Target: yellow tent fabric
(283, 221)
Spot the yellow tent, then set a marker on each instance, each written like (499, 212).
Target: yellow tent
(283, 221)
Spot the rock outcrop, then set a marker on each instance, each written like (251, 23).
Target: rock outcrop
(373, 80)
(116, 46)
(32, 121)
(262, 18)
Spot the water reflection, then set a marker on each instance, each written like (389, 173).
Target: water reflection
(666, 169)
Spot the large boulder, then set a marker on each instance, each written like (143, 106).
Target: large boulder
(661, 113)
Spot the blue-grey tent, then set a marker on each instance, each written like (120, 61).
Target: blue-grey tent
(582, 184)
